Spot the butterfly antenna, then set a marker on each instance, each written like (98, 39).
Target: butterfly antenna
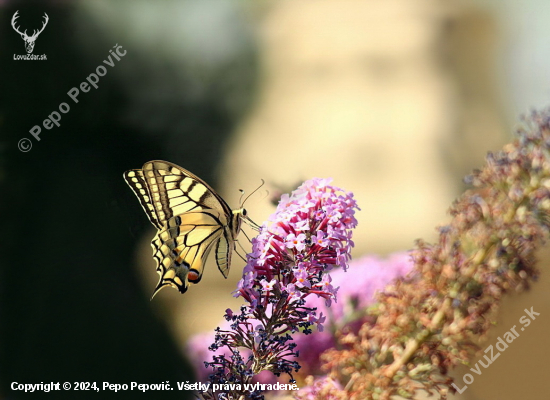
(254, 191)
(240, 198)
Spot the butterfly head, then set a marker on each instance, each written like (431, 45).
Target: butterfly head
(237, 218)
(240, 211)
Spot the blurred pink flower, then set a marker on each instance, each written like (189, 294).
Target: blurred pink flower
(358, 285)
(364, 277)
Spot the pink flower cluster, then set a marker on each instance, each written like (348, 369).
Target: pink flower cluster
(309, 234)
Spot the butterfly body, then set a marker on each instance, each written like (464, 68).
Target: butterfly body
(191, 218)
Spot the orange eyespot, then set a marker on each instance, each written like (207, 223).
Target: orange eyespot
(193, 276)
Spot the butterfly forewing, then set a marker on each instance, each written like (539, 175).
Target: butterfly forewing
(176, 191)
(191, 219)
(135, 179)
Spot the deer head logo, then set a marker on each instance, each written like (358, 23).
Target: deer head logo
(29, 40)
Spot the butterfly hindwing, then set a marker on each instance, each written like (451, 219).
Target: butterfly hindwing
(182, 248)
(191, 220)
(223, 252)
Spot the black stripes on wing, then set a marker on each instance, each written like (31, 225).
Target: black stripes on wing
(191, 219)
(135, 179)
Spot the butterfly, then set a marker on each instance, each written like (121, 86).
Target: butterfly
(191, 218)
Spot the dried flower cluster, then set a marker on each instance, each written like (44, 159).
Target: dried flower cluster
(309, 234)
(431, 321)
